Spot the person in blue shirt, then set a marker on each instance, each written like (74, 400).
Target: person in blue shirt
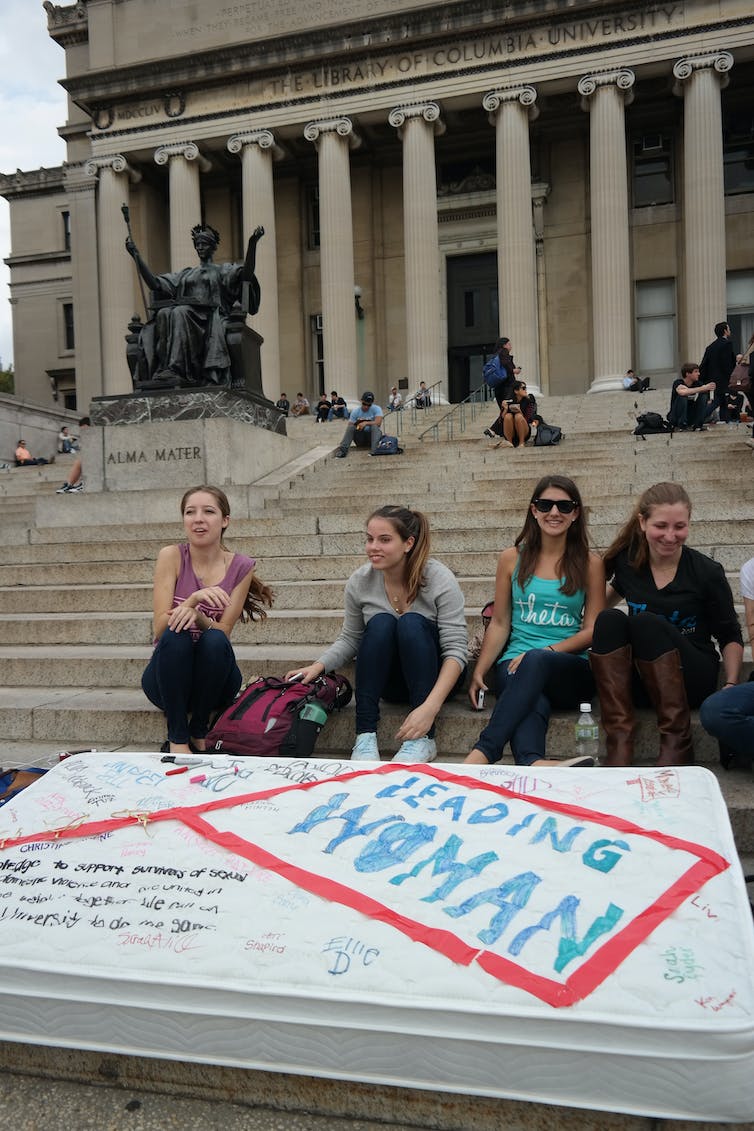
(549, 589)
(364, 427)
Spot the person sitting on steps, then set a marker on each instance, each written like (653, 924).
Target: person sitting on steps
(549, 588)
(201, 588)
(405, 622)
(689, 399)
(661, 652)
(364, 427)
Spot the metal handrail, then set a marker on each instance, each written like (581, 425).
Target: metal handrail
(410, 405)
(471, 404)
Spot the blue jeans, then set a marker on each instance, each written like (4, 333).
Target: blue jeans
(728, 716)
(398, 660)
(187, 677)
(544, 679)
(367, 437)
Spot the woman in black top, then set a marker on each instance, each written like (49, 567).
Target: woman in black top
(661, 652)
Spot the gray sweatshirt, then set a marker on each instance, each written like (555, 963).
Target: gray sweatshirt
(439, 599)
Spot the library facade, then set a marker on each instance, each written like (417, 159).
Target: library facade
(577, 175)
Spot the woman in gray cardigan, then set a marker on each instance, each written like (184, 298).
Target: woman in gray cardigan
(405, 624)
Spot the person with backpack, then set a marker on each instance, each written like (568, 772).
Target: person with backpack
(201, 589)
(549, 589)
(500, 372)
(405, 623)
(661, 652)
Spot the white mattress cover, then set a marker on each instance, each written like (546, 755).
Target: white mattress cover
(289, 948)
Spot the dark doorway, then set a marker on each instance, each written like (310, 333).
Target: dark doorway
(472, 320)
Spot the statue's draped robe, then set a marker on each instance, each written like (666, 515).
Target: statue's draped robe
(187, 334)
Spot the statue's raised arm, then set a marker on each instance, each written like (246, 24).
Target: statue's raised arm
(250, 289)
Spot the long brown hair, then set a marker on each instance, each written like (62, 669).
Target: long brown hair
(259, 594)
(409, 524)
(573, 567)
(631, 537)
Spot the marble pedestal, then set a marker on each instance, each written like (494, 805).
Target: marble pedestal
(182, 437)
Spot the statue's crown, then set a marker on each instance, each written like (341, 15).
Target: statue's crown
(205, 230)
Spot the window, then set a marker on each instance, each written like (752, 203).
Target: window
(318, 352)
(66, 218)
(652, 171)
(655, 326)
(312, 217)
(68, 334)
(740, 304)
(738, 152)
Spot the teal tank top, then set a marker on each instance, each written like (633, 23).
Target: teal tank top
(541, 614)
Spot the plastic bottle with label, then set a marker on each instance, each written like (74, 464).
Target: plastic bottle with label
(587, 733)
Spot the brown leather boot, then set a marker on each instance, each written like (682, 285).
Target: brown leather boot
(663, 679)
(612, 674)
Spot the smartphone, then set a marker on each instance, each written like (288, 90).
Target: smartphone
(296, 678)
(480, 699)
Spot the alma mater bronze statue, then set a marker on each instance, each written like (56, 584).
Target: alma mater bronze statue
(184, 341)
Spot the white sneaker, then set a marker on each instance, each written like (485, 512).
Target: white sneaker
(416, 750)
(365, 748)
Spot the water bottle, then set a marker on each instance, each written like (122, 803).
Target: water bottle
(587, 733)
(311, 719)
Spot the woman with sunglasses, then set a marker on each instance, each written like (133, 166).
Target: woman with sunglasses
(661, 652)
(513, 425)
(549, 589)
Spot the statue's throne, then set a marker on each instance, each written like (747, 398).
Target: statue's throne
(244, 348)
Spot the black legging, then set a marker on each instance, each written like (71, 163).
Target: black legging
(650, 636)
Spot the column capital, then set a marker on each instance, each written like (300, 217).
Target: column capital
(265, 139)
(623, 78)
(115, 161)
(189, 150)
(343, 127)
(719, 61)
(429, 111)
(526, 96)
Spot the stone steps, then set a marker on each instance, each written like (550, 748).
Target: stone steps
(72, 678)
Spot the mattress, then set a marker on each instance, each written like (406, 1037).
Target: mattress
(576, 937)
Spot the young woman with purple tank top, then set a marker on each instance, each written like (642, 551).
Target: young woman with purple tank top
(200, 590)
(549, 589)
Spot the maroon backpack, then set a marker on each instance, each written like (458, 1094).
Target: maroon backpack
(272, 718)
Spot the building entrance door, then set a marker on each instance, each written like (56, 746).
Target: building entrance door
(472, 320)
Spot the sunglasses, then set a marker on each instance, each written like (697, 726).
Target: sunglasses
(565, 506)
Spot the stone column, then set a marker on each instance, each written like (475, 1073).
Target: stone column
(417, 127)
(116, 269)
(81, 194)
(510, 111)
(700, 79)
(539, 193)
(605, 95)
(333, 139)
(258, 149)
(184, 161)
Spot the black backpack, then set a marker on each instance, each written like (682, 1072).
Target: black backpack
(547, 434)
(652, 424)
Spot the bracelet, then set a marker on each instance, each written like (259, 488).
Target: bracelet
(730, 683)
(550, 648)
